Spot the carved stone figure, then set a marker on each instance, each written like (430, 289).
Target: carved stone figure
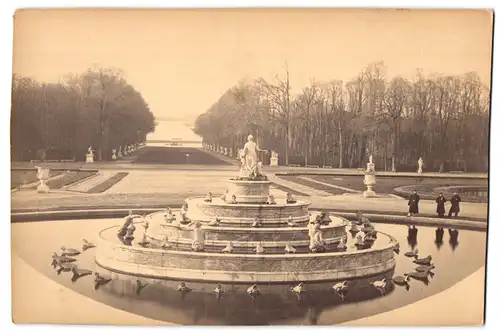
(89, 158)
(420, 165)
(249, 158)
(43, 174)
(316, 243)
(274, 159)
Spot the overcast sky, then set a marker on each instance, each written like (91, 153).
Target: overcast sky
(182, 61)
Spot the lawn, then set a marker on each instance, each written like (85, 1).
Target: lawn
(102, 187)
(22, 177)
(69, 178)
(386, 184)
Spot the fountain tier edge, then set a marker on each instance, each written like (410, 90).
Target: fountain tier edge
(248, 241)
(251, 268)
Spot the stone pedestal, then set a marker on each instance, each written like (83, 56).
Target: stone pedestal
(89, 158)
(43, 175)
(370, 180)
(43, 188)
(113, 157)
(274, 162)
(255, 192)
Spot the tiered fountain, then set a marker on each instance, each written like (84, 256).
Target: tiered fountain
(245, 235)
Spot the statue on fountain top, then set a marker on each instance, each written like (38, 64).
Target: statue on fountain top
(250, 167)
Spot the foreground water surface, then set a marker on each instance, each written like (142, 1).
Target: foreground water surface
(454, 258)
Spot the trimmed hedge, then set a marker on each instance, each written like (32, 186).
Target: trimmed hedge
(102, 187)
(69, 178)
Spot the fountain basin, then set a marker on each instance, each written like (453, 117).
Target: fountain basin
(249, 191)
(217, 267)
(242, 213)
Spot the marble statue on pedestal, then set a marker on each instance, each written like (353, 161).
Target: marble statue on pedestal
(120, 152)
(113, 156)
(369, 179)
(420, 165)
(89, 158)
(43, 175)
(274, 159)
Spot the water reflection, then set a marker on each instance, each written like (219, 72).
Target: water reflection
(453, 238)
(312, 315)
(412, 236)
(236, 306)
(277, 304)
(438, 241)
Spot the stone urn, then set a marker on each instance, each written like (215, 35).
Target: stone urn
(274, 159)
(113, 157)
(43, 174)
(370, 180)
(89, 158)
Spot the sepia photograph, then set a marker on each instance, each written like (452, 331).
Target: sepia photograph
(250, 166)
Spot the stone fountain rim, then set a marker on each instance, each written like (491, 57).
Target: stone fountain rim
(249, 181)
(392, 244)
(343, 222)
(298, 203)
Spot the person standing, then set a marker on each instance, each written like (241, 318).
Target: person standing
(413, 203)
(440, 200)
(455, 205)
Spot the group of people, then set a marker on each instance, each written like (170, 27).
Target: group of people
(440, 204)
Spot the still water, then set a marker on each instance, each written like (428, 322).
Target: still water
(455, 256)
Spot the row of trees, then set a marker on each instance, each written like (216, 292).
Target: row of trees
(443, 119)
(97, 108)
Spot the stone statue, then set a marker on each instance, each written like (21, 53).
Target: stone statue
(198, 237)
(371, 159)
(316, 243)
(420, 165)
(43, 174)
(274, 159)
(249, 157)
(90, 155)
(129, 219)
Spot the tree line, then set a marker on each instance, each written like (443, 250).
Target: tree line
(96, 108)
(442, 118)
